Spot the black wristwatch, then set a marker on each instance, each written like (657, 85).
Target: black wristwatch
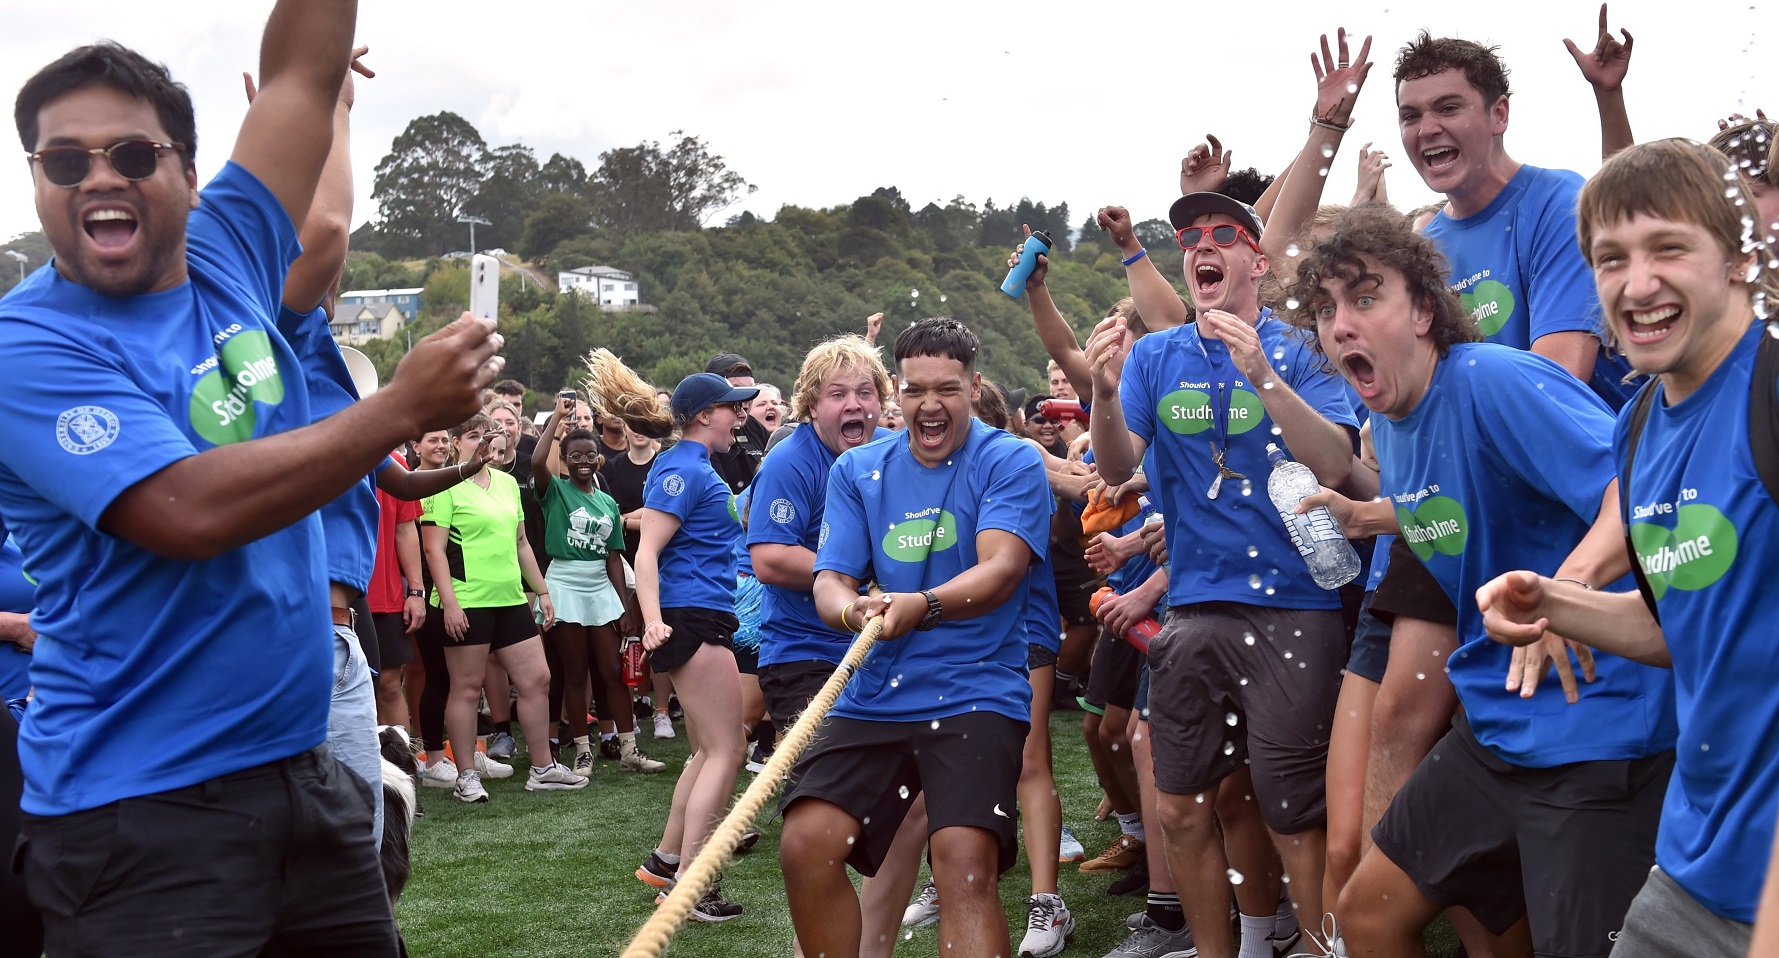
(416, 593)
(932, 617)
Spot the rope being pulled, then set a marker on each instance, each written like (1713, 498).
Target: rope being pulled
(652, 940)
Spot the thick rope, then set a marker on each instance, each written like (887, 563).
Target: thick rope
(651, 941)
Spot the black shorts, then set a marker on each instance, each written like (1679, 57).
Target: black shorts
(1237, 684)
(275, 859)
(497, 627)
(1566, 847)
(693, 628)
(1116, 670)
(747, 660)
(393, 640)
(788, 687)
(1407, 588)
(1371, 645)
(1074, 595)
(968, 766)
(1038, 656)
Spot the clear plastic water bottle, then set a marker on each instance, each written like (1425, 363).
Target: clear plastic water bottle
(1331, 558)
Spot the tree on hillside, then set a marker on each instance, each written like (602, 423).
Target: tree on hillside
(562, 174)
(506, 197)
(433, 168)
(641, 188)
(559, 218)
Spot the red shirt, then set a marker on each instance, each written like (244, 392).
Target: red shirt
(387, 592)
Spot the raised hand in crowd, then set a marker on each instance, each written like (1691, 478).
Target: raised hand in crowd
(1339, 80)
(1372, 164)
(1604, 68)
(1205, 167)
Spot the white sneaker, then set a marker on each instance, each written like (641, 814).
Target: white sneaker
(440, 774)
(633, 760)
(1047, 928)
(490, 768)
(924, 910)
(583, 763)
(663, 725)
(469, 788)
(556, 778)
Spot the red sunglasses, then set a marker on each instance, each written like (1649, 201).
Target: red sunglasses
(1224, 235)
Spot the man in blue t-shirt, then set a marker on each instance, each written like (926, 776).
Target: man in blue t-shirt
(161, 483)
(840, 392)
(1667, 249)
(1538, 806)
(946, 518)
(1244, 672)
(1507, 229)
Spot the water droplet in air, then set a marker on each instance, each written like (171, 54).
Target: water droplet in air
(1235, 877)
(1704, 747)
(1421, 675)
(903, 792)
(1322, 172)
(1289, 655)
(1253, 551)
(850, 839)
(935, 725)
(1327, 151)
(1354, 87)
(1248, 637)
(1248, 486)
(1229, 748)
(1253, 583)
(1292, 249)
(1229, 718)
(1199, 798)
(914, 294)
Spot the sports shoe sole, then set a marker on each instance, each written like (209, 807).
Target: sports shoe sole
(1061, 945)
(531, 786)
(651, 879)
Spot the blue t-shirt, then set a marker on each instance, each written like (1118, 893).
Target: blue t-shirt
(1234, 548)
(15, 596)
(697, 566)
(168, 673)
(911, 527)
(1501, 466)
(1707, 531)
(1518, 269)
(785, 508)
(1043, 613)
(349, 523)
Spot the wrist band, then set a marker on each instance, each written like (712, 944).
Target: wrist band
(1576, 581)
(1330, 124)
(1139, 255)
(460, 470)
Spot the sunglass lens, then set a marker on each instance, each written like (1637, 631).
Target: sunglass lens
(1189, 237)
(134, 160)
(1223, 235)
(66, 167)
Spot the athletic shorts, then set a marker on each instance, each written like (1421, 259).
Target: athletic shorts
(1371, 645)
(393, 640)
(498, 627)
(1238, 684)
(747, 659)
(1409, 589)
(1566, 847)
(1664, 920)
(967, 765)
(788, 687)
(692, 628)
(1116, 670)
(1038, 656)
(1074, 596)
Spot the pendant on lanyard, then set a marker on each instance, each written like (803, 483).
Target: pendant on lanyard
(1223, 472)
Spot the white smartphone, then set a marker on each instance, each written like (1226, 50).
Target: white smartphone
(484, 287)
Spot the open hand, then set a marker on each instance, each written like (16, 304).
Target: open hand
(1338, 83)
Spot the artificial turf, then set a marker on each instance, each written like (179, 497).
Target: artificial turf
(553, 873)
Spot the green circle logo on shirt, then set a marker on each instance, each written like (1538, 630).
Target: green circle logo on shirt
(222, 402)
(1491, 304)
(1694, 554)
(915, 539)
(1438, 525)
(1189, 411)
(733, 512)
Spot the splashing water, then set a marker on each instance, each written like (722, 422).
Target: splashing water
(1327, 151)
(1235, 877)
(1229, 718)
(1253, 583)
(1248, 637)
(1229, 748)
(903, 792)
(1253, 552)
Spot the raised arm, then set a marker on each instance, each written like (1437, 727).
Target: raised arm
(1604, 68)
(541, 473)
(303, 57)
(1156, 301)
(325, 232)
(1117, 452)
(1337, 90)
(1053, 330)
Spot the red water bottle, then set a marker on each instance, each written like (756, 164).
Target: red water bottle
(632, 658)
(1137, 635)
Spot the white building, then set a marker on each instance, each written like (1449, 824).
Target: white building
(611, 288)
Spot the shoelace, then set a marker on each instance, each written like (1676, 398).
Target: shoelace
(1042, 915)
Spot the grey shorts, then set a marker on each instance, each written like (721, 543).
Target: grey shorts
(1664, 921)
(1234, 684)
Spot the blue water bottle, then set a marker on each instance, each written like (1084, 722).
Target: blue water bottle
(1038, 242)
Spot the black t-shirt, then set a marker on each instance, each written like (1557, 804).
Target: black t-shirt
(520, 470)
(624, 480)
(738, 465)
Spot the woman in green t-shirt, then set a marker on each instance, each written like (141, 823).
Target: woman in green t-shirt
(480, 560)
(584, 537)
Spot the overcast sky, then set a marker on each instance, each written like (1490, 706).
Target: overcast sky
(817, 103)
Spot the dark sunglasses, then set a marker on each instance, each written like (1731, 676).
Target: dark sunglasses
(1224, 235)
(67, 166)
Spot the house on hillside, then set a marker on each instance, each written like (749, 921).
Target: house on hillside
(405, 300)
(609, 287)
(353, 325)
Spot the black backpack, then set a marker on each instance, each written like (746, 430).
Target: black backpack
(1763, 441)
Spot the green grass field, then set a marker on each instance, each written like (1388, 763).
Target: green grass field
(551, 873)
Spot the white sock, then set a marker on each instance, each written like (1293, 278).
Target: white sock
(1254, 937)
(1132, 825)
(608, 736)
(582, 745)
(669, 859)
(1284, 921)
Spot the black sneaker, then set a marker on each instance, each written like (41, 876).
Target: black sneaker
(642, 708)
(714, 907)
(609, 749)
(673, 710)
(749, 839)
(1133, 882)
(656, 872)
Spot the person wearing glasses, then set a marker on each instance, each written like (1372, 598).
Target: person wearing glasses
(1246, 668)
(163, 478)
(685, 585)
(584, 535)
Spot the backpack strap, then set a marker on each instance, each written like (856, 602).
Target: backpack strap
(1763, 414)
(1640, 406)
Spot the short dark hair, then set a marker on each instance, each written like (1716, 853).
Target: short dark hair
(1246, 186)
(1428, 55)
(991, 406)
(729, 364)
(938, 336)
(113, 65)
(1750, 145)
(508, 387)
(1380, 233)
